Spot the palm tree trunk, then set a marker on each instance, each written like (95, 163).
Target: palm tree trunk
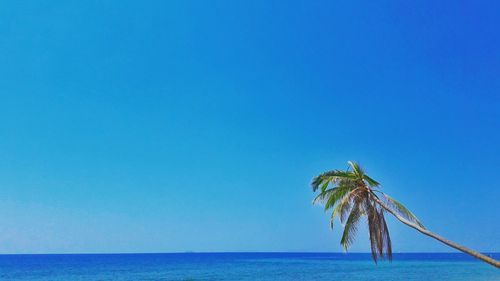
(452, 244)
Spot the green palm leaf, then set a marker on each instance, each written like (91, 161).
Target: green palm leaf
(340, 193)
(340, 208)
(371, 182)
(330, 177)
(401, 209)
(351, 227)
(323, 196)
(356, 169)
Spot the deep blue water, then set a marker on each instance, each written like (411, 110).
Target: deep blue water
(244, 266)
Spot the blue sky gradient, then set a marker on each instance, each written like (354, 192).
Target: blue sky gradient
(198, 125)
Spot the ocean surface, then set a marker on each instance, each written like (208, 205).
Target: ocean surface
(245, 266)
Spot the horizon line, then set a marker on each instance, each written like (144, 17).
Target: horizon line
(226, 252)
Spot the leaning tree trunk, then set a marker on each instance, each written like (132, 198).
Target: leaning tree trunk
(452, 244)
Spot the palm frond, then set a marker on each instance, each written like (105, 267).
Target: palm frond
(402, 210)
(324, 185)
(370, 181)
(356, 169)
(323, 196)
(330, 177)
(386, 238)
(351, 227)
(339, 193)
(348, 203)
(373, 224)
(341, 208)
(380, 240)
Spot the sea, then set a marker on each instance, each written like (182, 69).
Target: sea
(246, 266)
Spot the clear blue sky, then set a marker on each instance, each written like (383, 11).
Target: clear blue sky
(197, 125)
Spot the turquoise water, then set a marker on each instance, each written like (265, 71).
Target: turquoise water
(244, 266)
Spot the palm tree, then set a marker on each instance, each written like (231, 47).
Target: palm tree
(352, 194)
